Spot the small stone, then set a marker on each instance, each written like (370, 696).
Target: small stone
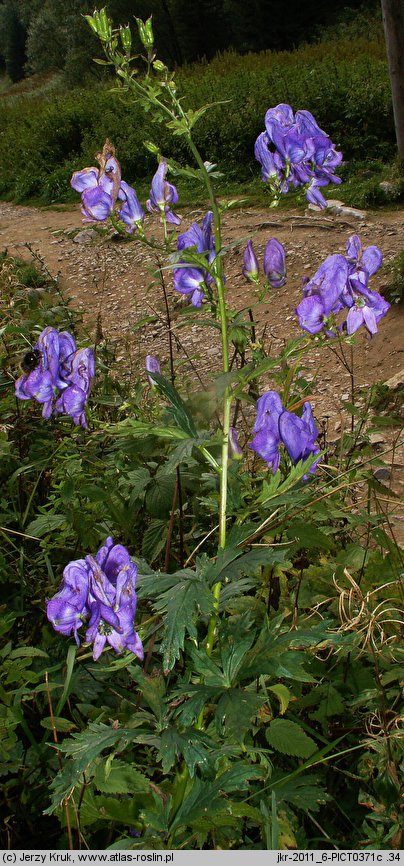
(382, 474)
(85, 236)
(396, 380)
(352, 212)
(376, 439)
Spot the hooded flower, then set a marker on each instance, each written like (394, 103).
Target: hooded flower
(53, 367)
(274, 264)
(341, 283)
(294, 150)
(250, 263)
(190, 279)
(102, 189)
(101, 589)
(275, 426)
(162, 195)
(152, 366)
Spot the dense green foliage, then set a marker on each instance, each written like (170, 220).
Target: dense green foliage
(45, 136)
(301, 693)
(266, 713)
(53, 35)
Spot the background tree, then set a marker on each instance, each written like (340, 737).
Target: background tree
(12, 39)
(393, 22)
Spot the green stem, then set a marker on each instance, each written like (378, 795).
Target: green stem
(227, 399)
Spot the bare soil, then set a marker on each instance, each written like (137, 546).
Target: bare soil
(113, 283)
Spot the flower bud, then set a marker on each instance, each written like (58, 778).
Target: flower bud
(251, 267)
(274, 264)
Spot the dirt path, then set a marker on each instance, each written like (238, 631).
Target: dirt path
(113, 282)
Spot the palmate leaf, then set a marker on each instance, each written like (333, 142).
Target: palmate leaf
(45, 523)
(234, 712)
(305, 792)
(181, 605)
(205, 798)
(83, 749)
(194, 746)
(154, 539)
(180, 411)
(289, 738)
(119, 777)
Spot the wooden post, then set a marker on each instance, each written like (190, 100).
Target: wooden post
(393, 23)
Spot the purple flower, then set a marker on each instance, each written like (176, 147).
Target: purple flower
(131, 211)
(294, 150)
(250, 266)
(235, 449)
(162, 195)
(323, 293)
(101, 589)
(102, 188)
(53, 366)
(152, 366)
(341, 283)
(275, 426)
(190, 279)
(274, 264)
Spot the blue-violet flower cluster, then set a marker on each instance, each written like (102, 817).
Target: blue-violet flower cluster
(340, 284)
(189, 279)
(276, 426)
(293, 150)
(58, 375)
(99, 589)
(103, 189)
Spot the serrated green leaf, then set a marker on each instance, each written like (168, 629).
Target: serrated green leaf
(194, 746)
(202, 800)
(234, 712)
(154, 539)
(308, 535)
(180, 412)
(289, 738)
(159, 496)
(45, 523)
(182, 603)
(28, 652)
(232, 653)
(120, 778)
(83, 748)
(305, 792)
(283, 694)
(153, 690)
(62, 725)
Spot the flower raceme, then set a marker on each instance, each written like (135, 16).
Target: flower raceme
(99, 589)
(275, 426)
(103, 192)
(58, 375)
(341, 284)
(294, 151)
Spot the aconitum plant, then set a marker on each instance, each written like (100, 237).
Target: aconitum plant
(57, 375)
(99, 589)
